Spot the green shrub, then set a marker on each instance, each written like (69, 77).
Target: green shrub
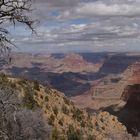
(23, 81)
(36, 85)
(89, 114)
(3, 77)
(90, 137)
(73, 134)
(65, 109)
(4, 82)
(51, 120)
(90, 125)
(78, 114)
(55, 110)
(41, 96)
(66, 101)
(28, 99)
(46, 98)
(83, 124)
(55, 134)
(47, 107)
(61, 122)
(48, 90)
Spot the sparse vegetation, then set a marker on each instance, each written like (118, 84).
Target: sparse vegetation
(28, 99)
(83, 124)
(51, 119)
(41, 96)
(55, 110)
(55, 134)
(13, 85)
(61, 122)
(90, 137)
(66, 101)
(47, 118)
(36, 85)
(22, 81)
(65, 109)
(46, 98)
(90, 125)
(77, 114)
(74, 134)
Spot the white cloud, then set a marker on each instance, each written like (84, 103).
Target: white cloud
(111, 24)
(102, 9)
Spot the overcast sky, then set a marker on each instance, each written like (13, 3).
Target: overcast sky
(82, 25)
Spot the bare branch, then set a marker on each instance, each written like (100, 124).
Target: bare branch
(13, 11)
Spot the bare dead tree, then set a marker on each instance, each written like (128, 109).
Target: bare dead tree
(16, 121)
(12, 12)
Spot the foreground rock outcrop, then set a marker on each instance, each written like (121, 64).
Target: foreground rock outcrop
(31, 111)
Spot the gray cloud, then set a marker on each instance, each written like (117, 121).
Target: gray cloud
(102, 9)
(114, 24)
(59, 3)
(89, 34)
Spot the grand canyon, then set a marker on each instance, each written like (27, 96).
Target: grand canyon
(94, 81)
(69, 69)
